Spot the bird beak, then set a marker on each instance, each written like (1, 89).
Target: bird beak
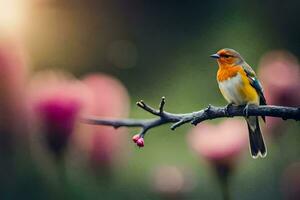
(215, 56)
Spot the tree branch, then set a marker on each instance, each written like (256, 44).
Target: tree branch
(211, 112)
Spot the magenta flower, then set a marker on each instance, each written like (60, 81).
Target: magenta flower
(56, 102)
(109, 99)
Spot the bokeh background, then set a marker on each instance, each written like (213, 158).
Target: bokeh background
(64, 59)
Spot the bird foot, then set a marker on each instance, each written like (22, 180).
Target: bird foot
(208, 108)
(227, 109)
(246, 110)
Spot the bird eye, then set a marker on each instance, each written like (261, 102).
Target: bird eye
(226, 56)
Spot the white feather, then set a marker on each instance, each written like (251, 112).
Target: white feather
(230, 89)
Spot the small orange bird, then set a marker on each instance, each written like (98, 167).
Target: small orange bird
(239, 85)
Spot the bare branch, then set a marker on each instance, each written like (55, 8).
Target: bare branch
(147, 108)
(162, 104)
(211, 112)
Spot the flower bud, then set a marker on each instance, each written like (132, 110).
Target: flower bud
(135, 138)
(140, 142)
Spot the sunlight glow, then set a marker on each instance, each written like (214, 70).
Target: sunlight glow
(11, 15)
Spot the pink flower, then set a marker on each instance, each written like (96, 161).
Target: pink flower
(172, 182)
(291, 182)
(221, 146)
(221, 143)
(56, 101)
(13, 73)
(279, 73)
(109, 100)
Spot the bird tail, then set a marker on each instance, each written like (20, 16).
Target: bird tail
(257, 145)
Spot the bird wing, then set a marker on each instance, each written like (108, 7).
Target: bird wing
(249, 71)
(255, 84)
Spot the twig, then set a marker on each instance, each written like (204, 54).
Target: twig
(211, 112)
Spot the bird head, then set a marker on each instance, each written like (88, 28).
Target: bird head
(228, 57)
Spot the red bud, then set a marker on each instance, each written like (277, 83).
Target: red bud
(140, 142)
(135, 138)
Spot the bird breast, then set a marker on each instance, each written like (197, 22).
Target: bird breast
(238, 90)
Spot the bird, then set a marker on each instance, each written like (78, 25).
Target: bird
(239, 85)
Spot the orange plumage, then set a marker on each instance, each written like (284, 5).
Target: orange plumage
(225, 72)
(245, 90)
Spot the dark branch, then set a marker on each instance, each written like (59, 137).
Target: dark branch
(162, 105)
(211, 112)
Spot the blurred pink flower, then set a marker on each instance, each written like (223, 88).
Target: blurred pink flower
(13, 120)
(221, 146)
(279, 72)
(221, 143)
(56, 101)
(109, 100)
(172, 182)
(291, 182)
(13, 73)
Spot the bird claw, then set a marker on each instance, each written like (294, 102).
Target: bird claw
(208, 108)
(246, 110)
(227, 108)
